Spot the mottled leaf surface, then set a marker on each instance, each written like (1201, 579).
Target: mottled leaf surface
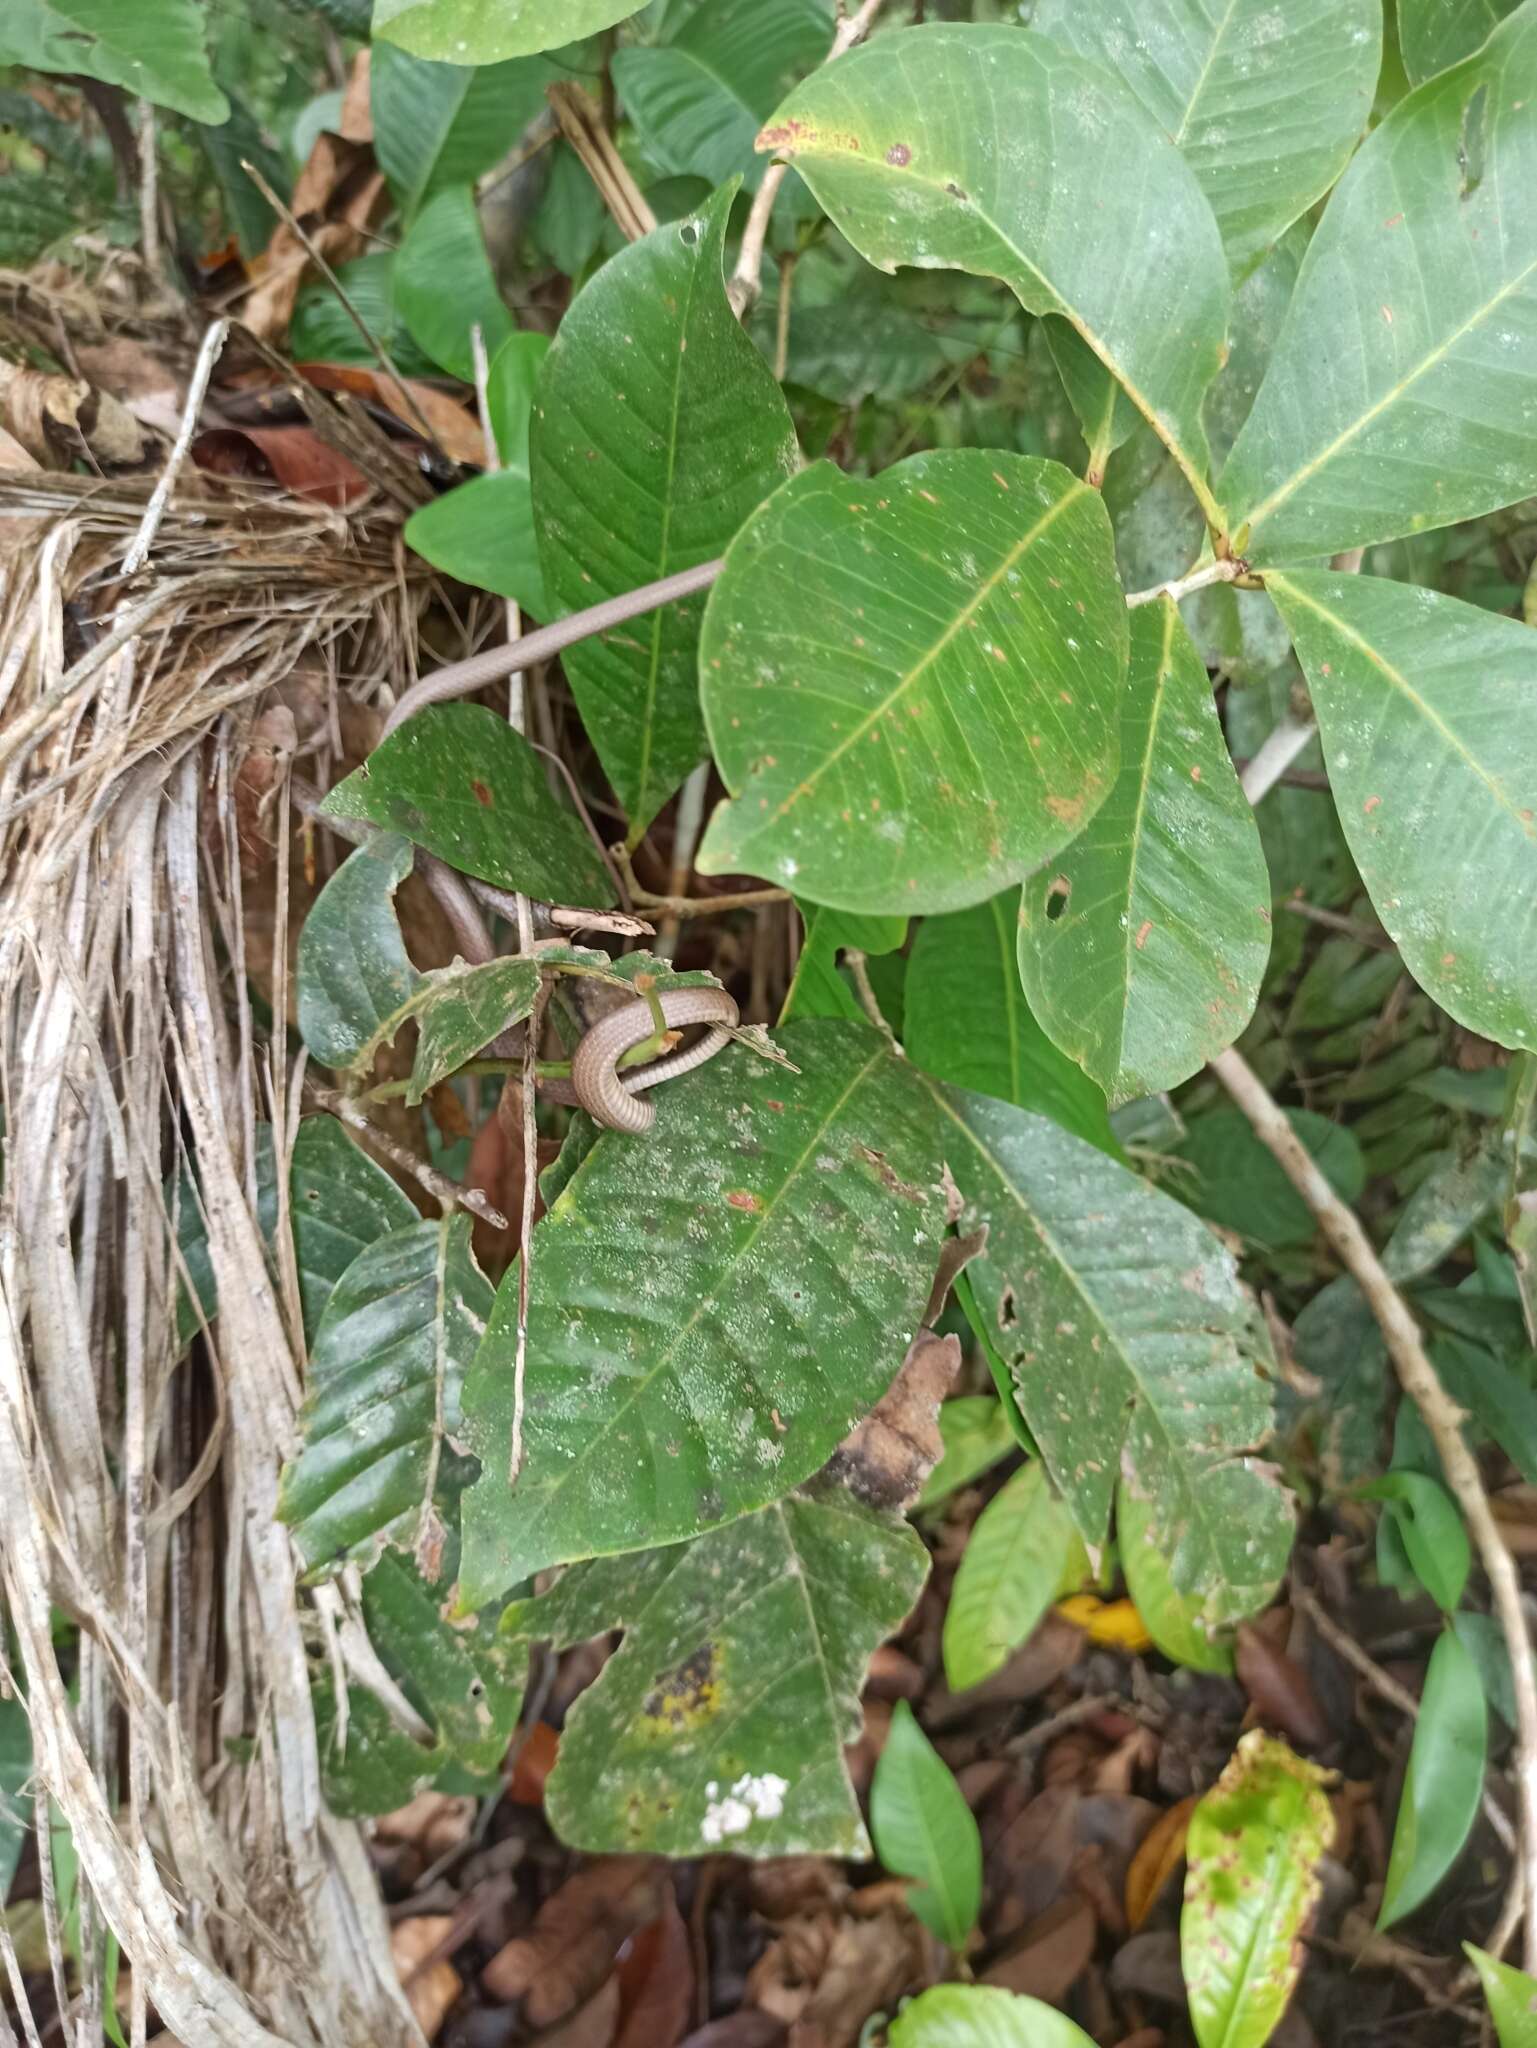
(354, 975)
(924, 1830)
(1425, 707)
(464, 1679)
(383, 1397)
(461, 1010)
(1251, 1881)
(1265, 103)
(657, 429)
(912, 681)
(458, 780)
(720, 1723)
(967, 1021)
(713, 1305)
(1403, 390)
(1124, 1328)
(1142, 946)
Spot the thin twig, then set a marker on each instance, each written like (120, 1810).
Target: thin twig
(869, 1002)
(745, 279)
(1227, 571)
(154, 511)
(1442, 1418)
(446, 1191)
(149, 187)
(1336, 921)
(685, 838)
(1281, 747)
(693, 906)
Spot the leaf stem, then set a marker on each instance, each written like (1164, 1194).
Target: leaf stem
(1226, 571)
(1442, 1418)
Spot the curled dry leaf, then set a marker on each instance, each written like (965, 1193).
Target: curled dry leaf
(886, 1458)
(1280, 1688)
(1160, 1855)
(429, 1980)
(57, 419)
(295, 457)
(579, 1931)
(433, 1822)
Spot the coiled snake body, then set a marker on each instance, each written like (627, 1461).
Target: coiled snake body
(614, 1099)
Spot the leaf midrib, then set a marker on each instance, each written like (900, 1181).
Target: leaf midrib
(1218, 36)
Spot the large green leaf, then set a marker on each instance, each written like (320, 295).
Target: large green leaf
(1424, 704)
(322, 330)
(354, 975)
(967, 1021)
(980, 2016)
(482, 533)
(1176, 1622)
(383, 1399)
(153, 49)
(466, 1681)
(924, 1830)
(1444, 1782)
(697, 100)
(340, 1203)
(900, 141)
(1252, 1880)
(1264, 102)
(1512, 1997)
(486, 31)
(1435, 34)
(443, 124)
(720, 1723)
(712, 1306)
(818, 989)
(912, 682)
(444, 283)
(1142, 947)
(1124, 1328)
(657, 429)
(458, 780)
(1023, 1552)
(1403, 390)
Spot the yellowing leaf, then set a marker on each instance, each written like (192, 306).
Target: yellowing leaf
(1115, 1623)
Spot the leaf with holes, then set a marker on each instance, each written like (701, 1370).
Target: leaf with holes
(463, 1009)
(892, 141)
(354, 975)
(1023, 1553)
(1126, 1333)
(924, 1830)
(818, 989)
(1265, 103)
(720, 1722)
(382, 1409)
(487, 31)
(698, 99)
(1443, 1784)
(967, 1021)
(1402, 393)
(690, 434)
(1424, 705)
(1251, 1882)
(458, 780)
(912, 682)
(1435, 34)
(1142, 947)
(712, 1306)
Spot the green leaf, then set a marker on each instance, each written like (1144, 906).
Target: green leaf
(482, 533)
(1423, 704)
(1402, 393)
(818, 989)
(976, 1432)
(486, 31)
(443, 124)
(1176, 1622)
(721, 1721)
(462, 1009)
(1238, 1182)
(698, 100)
(691, 433)
(1512, 1997)
(15, 1786)
(1458, 1192)
(511, 381)
(968, 1021)
(911, 682)
(322, 330)
(890, 141)
(464, 1680)
(153, 49)
(383, 1396)
(379, 1767)
(924, 1830)
(444, 285)
(1143, 946)
(458, 780)
(354, 976)
(712, 1306)
(1023, 1552)
(1432, 1530)
(340, 1204)
(1484, 1640)
(1435, 34)
(1124, 1328)
(1106, 415)
(1443, 1784)
(977, 2016)
(1264, 103)
(1251, 1883)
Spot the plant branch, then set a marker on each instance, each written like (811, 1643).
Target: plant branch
(693, 906)
(1228, 571)
(1280, 748)
(746, 282)
(1442, 1418)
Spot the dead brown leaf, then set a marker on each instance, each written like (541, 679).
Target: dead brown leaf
(591, 2027)
(746, 2029)
(1161, 1853)
(433, 1822)
(886, 1458)
(1279, 1687)
(656, 1983)
(429, 1980)
(56, 419)
(1052, 1953)
(1054, 1648)
(295, 457)
(579, 1931)
(457, 432)
(535, 1761)
(825, 1977)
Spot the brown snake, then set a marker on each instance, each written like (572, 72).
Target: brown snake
(613, 1099)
